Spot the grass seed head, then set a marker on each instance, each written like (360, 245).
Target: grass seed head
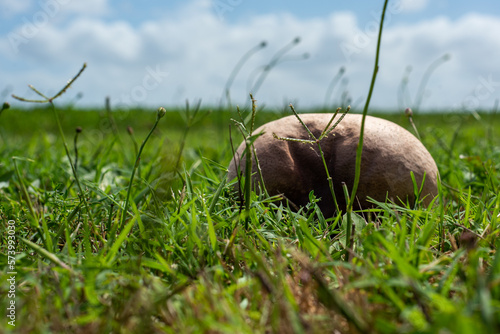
(161, 112)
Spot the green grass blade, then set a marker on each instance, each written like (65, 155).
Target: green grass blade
(122, 237)
(46, 254)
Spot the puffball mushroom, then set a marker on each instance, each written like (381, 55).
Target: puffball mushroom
(294, 169)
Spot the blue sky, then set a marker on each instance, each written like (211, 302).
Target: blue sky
(164, 52)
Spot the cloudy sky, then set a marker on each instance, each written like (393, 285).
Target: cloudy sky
(164, 52)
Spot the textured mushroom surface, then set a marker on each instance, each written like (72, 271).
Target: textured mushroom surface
(293, 169)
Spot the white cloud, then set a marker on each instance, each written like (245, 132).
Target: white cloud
(9, 7)
(408, 6)
(198, 51)
(53, 8)
(87, 7)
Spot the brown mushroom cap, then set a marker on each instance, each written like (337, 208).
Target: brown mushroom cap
(294, 169)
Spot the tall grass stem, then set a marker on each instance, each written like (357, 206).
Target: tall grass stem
(160, 113)
(359, 149)
(236, 70)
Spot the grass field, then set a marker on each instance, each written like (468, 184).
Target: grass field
(182, 256)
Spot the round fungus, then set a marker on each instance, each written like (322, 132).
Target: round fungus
(294, 169)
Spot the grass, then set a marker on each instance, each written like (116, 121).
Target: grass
(110, 236)
(184, 262)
